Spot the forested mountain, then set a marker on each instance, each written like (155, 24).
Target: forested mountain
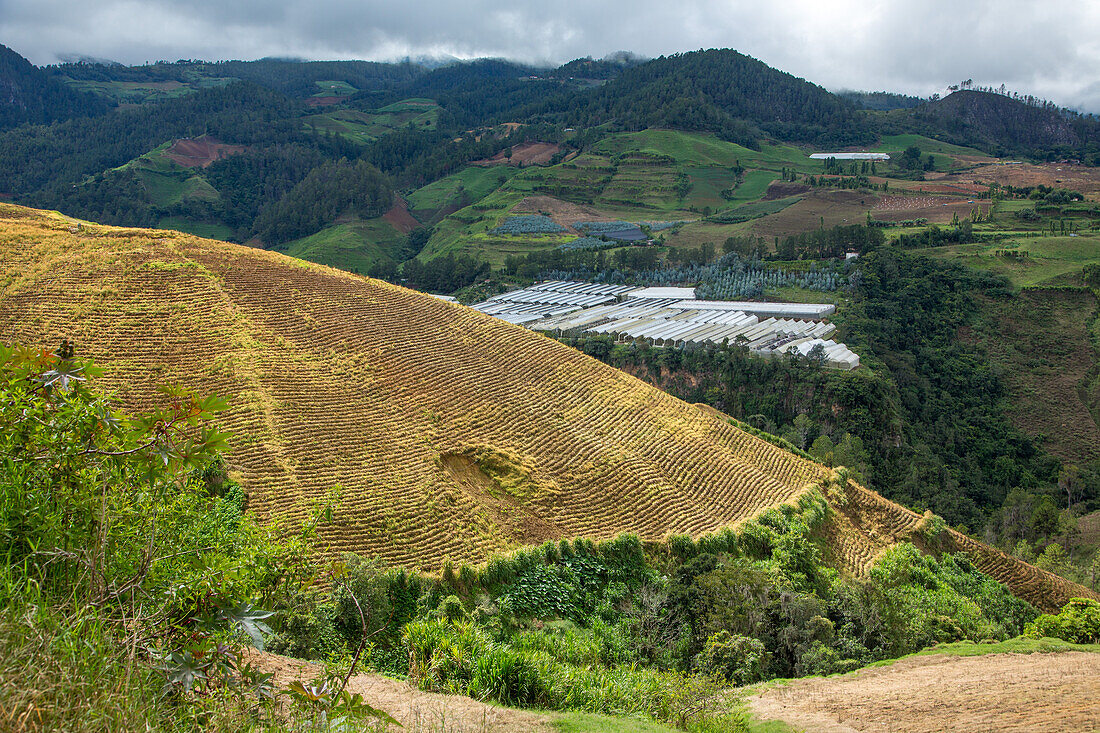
(726, 92)
(287, 118)
(881, 101)
(490, 91)
(327, 192)
(606, 68)
(1002, 125)
(28, 95)
(291, 77)
(35, 160)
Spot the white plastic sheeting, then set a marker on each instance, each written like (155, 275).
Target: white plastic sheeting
(663, 317)
(850, 156)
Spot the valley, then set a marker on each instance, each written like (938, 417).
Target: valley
(629, 394)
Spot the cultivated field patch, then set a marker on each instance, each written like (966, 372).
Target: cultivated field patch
(1009, 693)
(200, 152)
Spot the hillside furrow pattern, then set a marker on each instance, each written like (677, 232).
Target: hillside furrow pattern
(343, 382)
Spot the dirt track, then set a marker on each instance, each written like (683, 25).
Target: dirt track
(1015, 693)
(414, 709)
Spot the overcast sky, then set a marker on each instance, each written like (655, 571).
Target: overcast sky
(1049, 48)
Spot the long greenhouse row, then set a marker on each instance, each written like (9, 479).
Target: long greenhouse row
(664, 317)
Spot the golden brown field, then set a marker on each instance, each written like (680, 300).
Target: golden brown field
(450, 435)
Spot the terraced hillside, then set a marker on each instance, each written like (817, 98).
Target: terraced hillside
(452, 435)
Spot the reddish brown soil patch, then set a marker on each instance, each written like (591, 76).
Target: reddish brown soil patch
(997, 692)
(414, 709)
(524, 154)
(399, 217)
(200, 152)
(323, 101)
(780, 190)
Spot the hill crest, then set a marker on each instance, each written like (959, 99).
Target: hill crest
(453, 436)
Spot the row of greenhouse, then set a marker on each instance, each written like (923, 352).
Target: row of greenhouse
(667, 317)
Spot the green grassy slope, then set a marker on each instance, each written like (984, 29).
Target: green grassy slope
(353, 246)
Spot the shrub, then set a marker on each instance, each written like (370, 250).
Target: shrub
(1078, 622)
(737, 659)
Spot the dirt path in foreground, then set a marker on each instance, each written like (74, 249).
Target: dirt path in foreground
(416, 710)
(997, 692)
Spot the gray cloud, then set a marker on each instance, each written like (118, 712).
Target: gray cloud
(1050, 49)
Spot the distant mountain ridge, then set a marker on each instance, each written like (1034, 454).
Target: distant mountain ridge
(723, 91)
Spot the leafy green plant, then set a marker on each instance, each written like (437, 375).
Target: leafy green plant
(1077, 622)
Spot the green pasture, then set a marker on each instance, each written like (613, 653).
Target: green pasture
(353, 246)
(334, 88)
(362, 127)
(166, 182)
(895, 144)
(466, 187)
(412, 104)
(133, 92)
(1048, 258)
(705, 149)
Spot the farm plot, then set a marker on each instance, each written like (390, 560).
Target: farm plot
(1032, 260)
(819, 207)
(456, 191)
(362, 127)
(929, 693)
(337, 379)
(643, 180)
(579, 180)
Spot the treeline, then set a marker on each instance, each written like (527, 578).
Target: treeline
(293, 78)
(327, 192)
(40, 164)
(444, 274)
(728, 93)
(30, 96)
(1002, 126)
(821, 244)
(251, 181)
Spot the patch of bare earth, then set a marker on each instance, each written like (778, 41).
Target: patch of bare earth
(937, 209)
(781, 190)
(524, 154)
(819, 206)
(1039, 340)
(200, 152)
(562, 212)
(1088, 529)
(415, 709)
(399, 217)
(1057, 175)
(1009, 693)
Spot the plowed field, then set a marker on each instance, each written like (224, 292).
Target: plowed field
(1055, 693)
(402, 400)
